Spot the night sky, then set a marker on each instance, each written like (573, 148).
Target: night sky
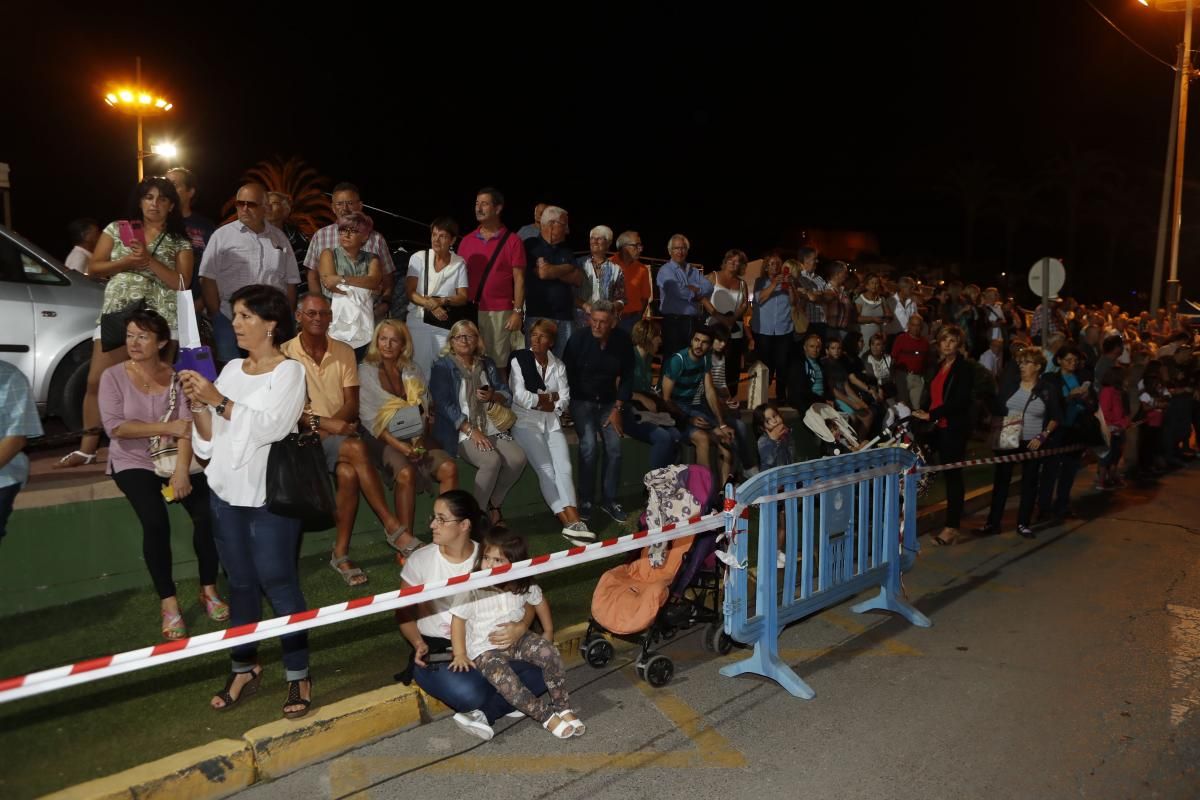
(741, 127)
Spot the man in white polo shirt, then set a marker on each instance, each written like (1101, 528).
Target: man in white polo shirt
(246, 251)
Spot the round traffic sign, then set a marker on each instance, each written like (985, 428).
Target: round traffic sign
(1057, 276)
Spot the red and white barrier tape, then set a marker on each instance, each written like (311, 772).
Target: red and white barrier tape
(1026, 456)
(94, 669)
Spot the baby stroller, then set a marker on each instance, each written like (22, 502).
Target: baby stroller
(630, 601)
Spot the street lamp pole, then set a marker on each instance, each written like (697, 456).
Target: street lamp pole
(138, 102)
(1185, 62)
(141, 153)
(1164, 209)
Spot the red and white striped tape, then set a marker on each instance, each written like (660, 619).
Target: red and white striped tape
(1026, 456)
(94, 669)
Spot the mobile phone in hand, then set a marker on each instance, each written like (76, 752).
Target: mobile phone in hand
(131, 231)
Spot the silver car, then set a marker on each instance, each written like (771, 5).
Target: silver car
(47, 320)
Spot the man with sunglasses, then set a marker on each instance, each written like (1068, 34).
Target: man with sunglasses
(246, 251)
(347, 199)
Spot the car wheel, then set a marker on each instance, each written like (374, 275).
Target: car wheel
(70, 404)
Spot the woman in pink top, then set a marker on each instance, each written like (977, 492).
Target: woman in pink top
(140, 398)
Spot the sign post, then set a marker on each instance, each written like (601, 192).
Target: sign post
(1046, 279)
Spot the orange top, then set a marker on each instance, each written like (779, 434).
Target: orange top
(637, 286)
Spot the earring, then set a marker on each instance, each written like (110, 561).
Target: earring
(271, 334)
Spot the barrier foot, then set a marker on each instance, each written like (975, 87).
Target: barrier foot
(887, 601)
(766, 662)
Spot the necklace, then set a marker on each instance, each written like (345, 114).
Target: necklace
(146, 381)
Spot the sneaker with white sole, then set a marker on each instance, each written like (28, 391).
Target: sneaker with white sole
(474, 723)
(780, 559)
(577, 533)
(515, 714)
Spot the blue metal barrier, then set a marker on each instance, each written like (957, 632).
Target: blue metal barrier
(842, 523)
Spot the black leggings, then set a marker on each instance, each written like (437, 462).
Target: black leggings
(144, 490)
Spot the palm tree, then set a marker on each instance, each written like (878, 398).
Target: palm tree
(296, 178)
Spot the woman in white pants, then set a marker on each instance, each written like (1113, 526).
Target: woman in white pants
(540, 395)
(436, 285)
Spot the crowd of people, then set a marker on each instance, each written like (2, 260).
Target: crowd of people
(494, 343)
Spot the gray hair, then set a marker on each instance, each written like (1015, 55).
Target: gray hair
(603, 305)
(602, 231)
(626, 238)
(286, 198)
(686, 243)
(551, 214)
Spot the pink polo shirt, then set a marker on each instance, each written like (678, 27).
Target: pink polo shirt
(475, 250)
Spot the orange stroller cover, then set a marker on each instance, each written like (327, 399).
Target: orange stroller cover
(628, 597)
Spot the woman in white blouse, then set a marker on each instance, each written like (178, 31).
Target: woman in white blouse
(432, 291)
(255, 402)
(538, 380)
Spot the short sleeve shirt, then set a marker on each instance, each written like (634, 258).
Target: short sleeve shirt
(476, 251)
(18, 417)
(126, 288)
(688, 377)
(552, 299)
(325, 381)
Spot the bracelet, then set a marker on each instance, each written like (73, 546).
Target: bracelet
(197, 408)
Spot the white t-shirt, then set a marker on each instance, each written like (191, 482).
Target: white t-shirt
(78, 259)
(426, 566)
(484, 609)
(266, 409)
(444, 283)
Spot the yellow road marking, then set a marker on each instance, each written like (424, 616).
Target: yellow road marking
(714, 749)
(890, 646)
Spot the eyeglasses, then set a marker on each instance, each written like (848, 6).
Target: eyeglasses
(464, 337)
(246, 204)
(347, 231)
(438, 519)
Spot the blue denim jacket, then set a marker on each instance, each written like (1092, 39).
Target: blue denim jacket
(444, 385)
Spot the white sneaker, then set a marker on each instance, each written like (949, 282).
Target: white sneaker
(577, 532)
(515, 714)
(474, 723)
(780, 559)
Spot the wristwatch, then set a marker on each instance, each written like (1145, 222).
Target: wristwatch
(220, 407)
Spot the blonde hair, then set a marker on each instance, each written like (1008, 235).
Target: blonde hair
(546, 326)
(461, 327)
(406, 350)
(793, 266)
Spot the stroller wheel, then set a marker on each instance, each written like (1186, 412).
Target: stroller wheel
(597, 652)
(716, 640)
(657, 671)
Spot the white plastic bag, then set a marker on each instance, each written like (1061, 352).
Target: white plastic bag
(353, 316)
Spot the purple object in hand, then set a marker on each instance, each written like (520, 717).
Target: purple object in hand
(199, 359)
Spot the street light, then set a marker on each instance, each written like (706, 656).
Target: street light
(164, 149)
(140, 102)
(1175, 151)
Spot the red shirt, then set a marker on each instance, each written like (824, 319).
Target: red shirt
(475, 250)
(935, 392)
(912, 352)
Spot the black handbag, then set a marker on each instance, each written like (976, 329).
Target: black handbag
(298, 483)
(453, 313)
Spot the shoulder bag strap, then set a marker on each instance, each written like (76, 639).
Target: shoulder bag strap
(491, 262)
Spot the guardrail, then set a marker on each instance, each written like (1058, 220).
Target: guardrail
(842, 520)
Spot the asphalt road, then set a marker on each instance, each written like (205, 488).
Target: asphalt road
(1068, 666)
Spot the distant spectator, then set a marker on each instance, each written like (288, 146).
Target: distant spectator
(140, 399)
(730, 301)
(911, 350)
(687, 382)
(346, 199)
(199, 228)
(501, 297)
(540, 396)
(602, 279)
(533, 229)
(839, 308)
(551, 277)
(682, 292)
(331, 376)
(279, 212)
(771, 322)
(84, 233)
(774, 438)
(245, 252)
(18, 422)
(647, 417)
(872, 310)
(436, 284)
(639, 286)
(992, 359)
(815, 289)
(904, 308)
(145, 271)
(1112, 405)
(1111, 350)
(348, 273)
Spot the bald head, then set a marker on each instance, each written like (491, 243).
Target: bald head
(251, 204)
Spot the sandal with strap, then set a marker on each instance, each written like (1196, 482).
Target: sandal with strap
(216, 608)
(348, 575)
(294, 699)
(65, 461)
(173, 627)
(249, 688)
(559, 727)
(577, 726)
(393, 540)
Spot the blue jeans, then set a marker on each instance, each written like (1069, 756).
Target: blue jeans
(664, 442)
(741, 434)
(590, 420)
(468, 691)
(258, 550)
(565, 328)
(225, 340)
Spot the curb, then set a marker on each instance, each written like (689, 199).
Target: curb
(227, 766)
